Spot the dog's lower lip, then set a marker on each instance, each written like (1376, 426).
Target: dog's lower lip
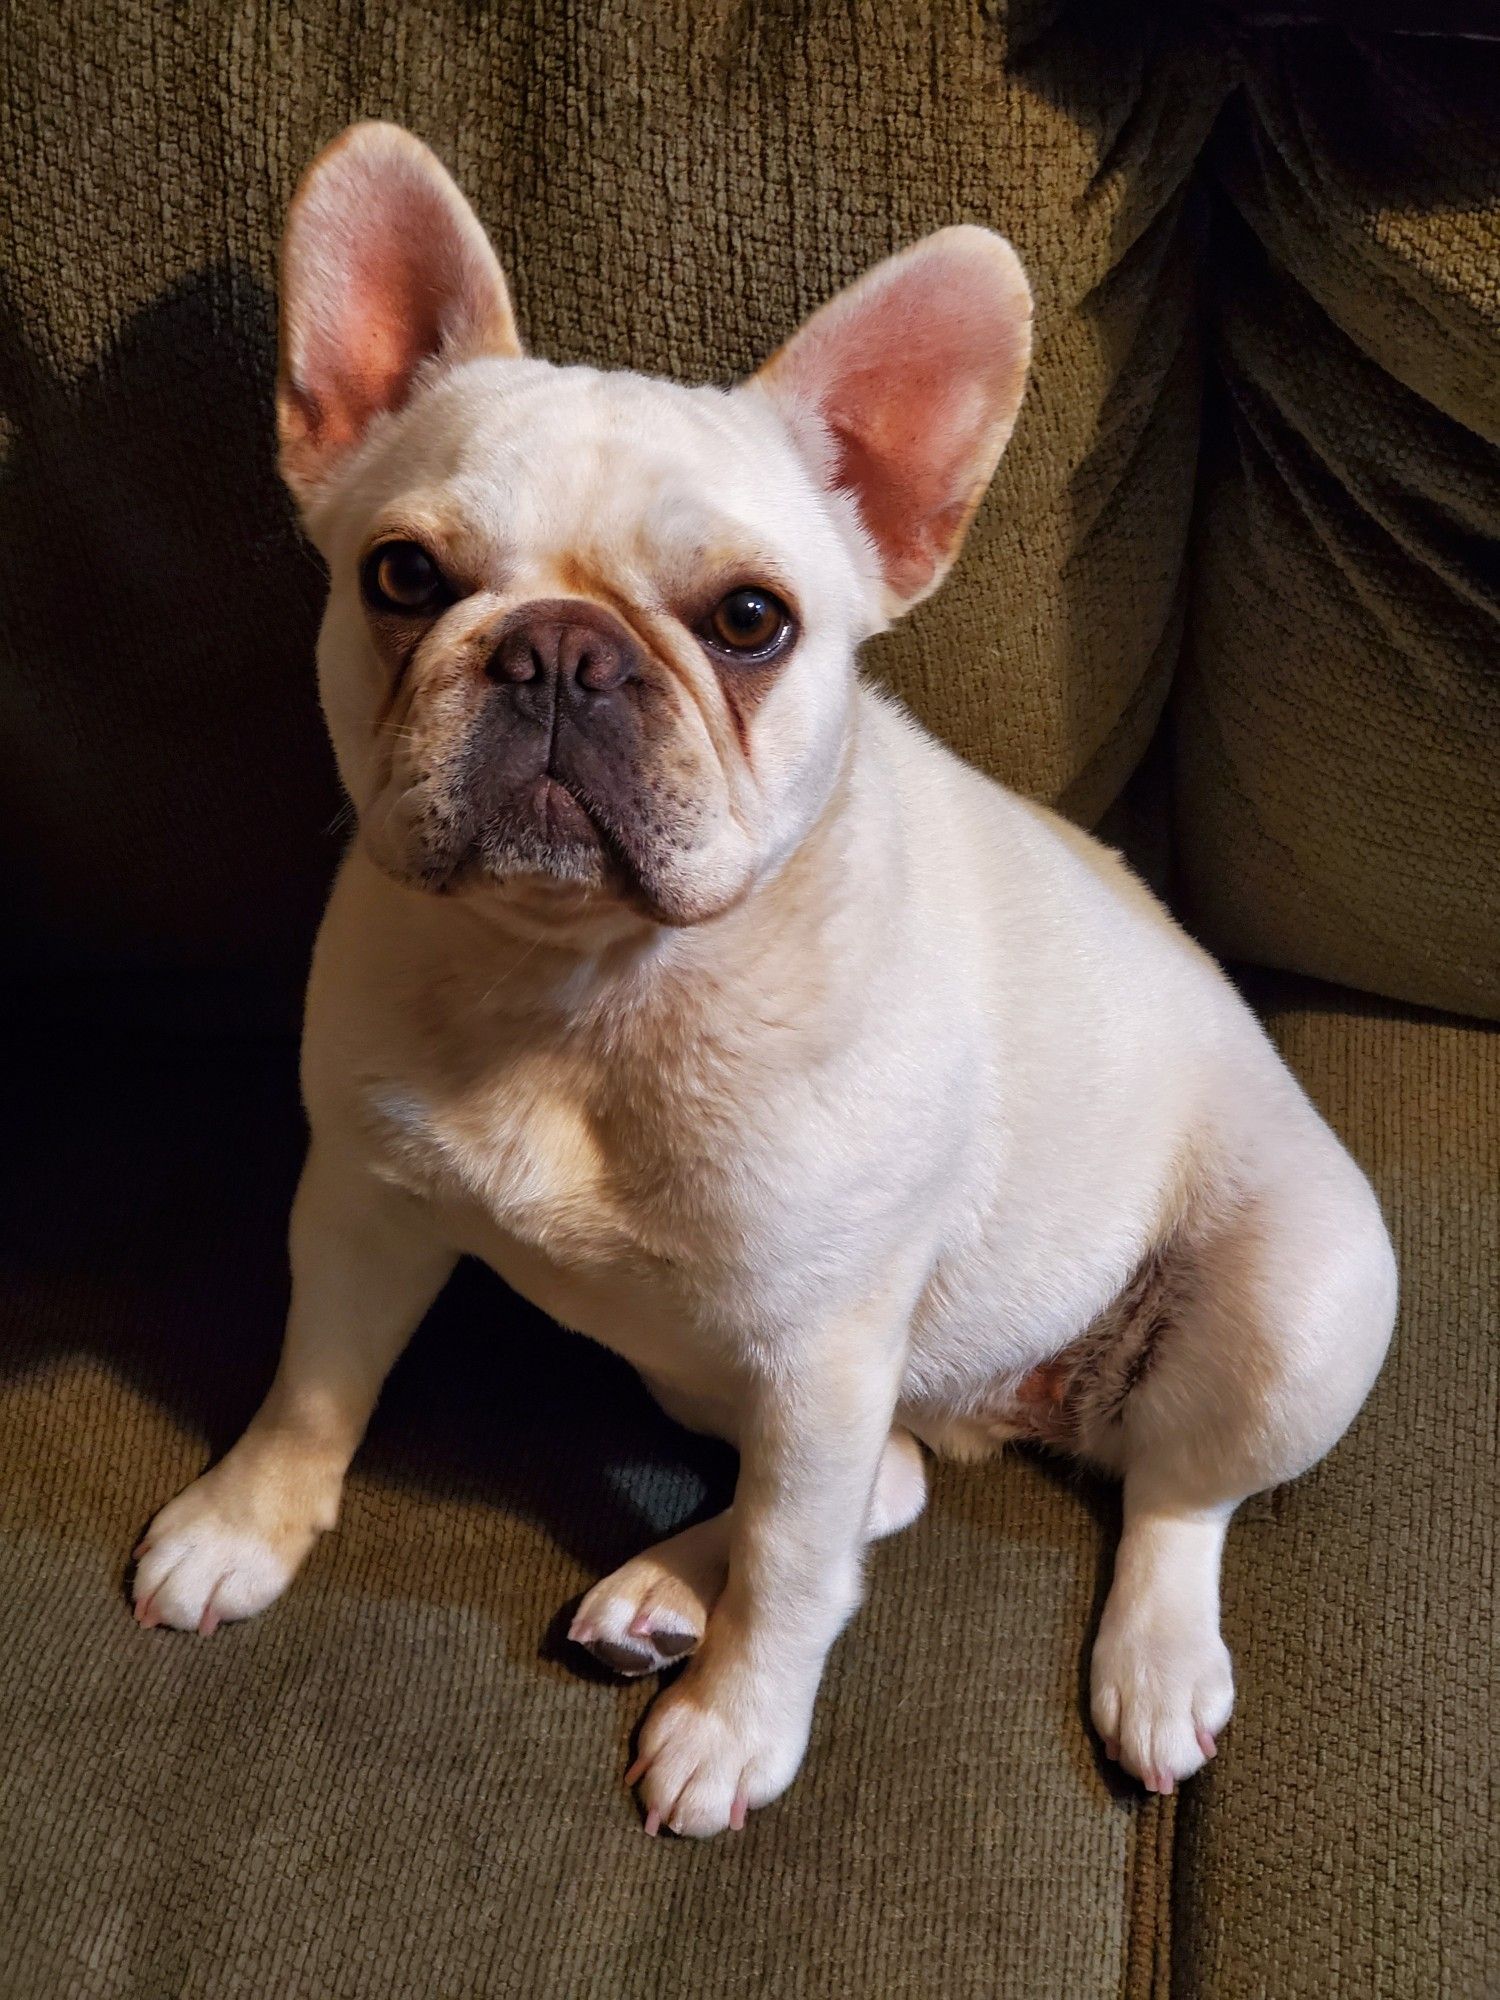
(560, 813)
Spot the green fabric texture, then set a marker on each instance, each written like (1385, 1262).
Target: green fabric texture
(398, 1782)
(672, 187)
(1338, 720)
(1344, 1841)
(401, 1780)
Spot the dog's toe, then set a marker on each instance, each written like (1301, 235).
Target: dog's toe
(622, 1657)
(628, 1641)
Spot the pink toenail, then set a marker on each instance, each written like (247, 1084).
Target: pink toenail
(738, 1811)
(1207, 1744)
(636, 1771)
(1112, 1749)
(653, 1822)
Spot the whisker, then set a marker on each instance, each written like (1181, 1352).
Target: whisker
(509, 973)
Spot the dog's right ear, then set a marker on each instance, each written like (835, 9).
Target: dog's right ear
(384, 267)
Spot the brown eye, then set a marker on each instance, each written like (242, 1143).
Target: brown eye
(749, 620)
(401, 576)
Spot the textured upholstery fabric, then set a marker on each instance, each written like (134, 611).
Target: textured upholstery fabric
(1338, 725)
(393, 1783)
(1344, 1841)
(672, 187)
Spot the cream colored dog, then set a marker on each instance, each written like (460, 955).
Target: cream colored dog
(677, 974)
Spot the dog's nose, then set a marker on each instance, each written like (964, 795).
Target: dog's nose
(572, 645)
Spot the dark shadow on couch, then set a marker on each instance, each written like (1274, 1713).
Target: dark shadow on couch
(168, 804)
(143, 1214)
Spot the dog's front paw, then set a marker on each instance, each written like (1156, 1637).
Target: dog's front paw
(228, 1546)
(715, 1746)
(1163, 1689)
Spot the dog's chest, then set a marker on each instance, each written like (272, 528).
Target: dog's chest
(630, 1183)
(565, 1166)
(521, 1154)
(606, 1237)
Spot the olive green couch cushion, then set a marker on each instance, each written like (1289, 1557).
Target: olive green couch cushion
(1338, 719)
(400, 1781)
(1344, 1841)
(672, 186)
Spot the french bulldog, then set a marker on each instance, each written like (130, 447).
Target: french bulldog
(675, 972)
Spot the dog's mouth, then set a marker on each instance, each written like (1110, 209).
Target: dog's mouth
(564, 835)
(561, 815)
(547, 828)
(588, 789)
(527, 787)
(451, 836)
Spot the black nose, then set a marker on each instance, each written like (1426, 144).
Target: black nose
(571, 644)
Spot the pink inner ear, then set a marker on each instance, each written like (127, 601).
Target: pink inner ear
(386, 322)
(918, 373)
(384, 267)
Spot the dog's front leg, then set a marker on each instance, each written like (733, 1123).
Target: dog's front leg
(366, 1264)
(731, 1733)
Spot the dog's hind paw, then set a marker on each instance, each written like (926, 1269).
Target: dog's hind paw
(654, 1609)
(1160, 1698)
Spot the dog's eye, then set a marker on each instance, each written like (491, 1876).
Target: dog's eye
(401, 576)
(749, 621)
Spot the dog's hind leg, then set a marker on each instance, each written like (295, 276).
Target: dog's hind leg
(654, 1609)
(1269, 1346)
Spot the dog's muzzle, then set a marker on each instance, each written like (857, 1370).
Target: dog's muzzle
(548, 773)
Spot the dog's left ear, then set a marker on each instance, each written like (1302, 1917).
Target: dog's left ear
(912, 379)
(384, 269)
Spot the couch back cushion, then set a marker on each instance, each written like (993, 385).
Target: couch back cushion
(1338, 722)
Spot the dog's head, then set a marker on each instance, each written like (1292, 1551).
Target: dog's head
(594, 629)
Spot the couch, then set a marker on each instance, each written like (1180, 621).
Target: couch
(1234, 598)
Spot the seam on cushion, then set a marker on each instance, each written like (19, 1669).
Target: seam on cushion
(1137, 425)
(1150, 1870)
(1149, 699)
(1126, 137)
